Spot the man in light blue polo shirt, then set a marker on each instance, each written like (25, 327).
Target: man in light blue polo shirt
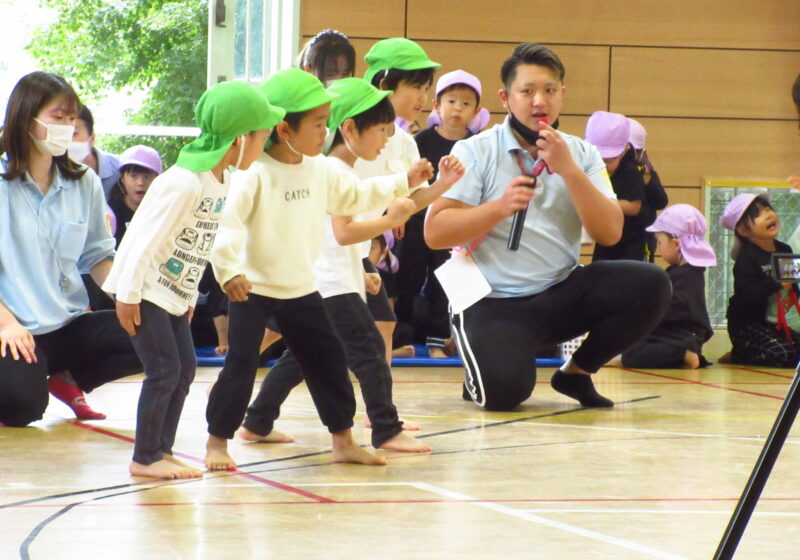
(539, 295)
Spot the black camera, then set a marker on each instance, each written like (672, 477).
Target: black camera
(786, 267)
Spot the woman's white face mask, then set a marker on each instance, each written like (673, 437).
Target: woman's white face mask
(59, 137)
(79, 151)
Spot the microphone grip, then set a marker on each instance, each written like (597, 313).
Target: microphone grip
(516, 229)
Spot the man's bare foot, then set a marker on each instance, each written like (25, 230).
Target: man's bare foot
(406, 443)
(164, 469)
(174, 460)
(403, 352)
(217, 458)
(345, 450)
(437, 353)
(726, 358)
(407, 426)
(273, 437)
(691, 360)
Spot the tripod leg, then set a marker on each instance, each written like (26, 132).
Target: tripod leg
(761, 471)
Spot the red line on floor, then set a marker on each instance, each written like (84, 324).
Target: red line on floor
(762, 372)
(693, 382)
(248, 476)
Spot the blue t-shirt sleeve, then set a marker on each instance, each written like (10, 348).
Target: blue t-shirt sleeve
(99, 244)
(468, 189)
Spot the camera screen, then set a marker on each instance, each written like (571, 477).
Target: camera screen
(786, 267)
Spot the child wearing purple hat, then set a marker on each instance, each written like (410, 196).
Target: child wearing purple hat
(677, 341)
(138, 166)
(655, 197)
(610, 133)
(456, 115)
(758, 336)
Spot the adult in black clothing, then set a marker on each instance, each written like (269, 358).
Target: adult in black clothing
(678, 339)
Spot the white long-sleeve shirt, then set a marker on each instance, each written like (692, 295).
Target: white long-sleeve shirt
(272, 226)
(166, 246)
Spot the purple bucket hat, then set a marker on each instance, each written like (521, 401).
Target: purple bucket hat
(733, 213)
(637, 135)
(143, 156)
(687, 224)
(609, 132)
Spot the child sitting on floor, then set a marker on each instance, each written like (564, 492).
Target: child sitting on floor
(677, 342)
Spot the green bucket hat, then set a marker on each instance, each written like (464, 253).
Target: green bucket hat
(399, 53)
(355, 97)
(295, 91)
(225, 111)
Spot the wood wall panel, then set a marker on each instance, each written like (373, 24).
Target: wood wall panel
(711, 82)
(354, 18)
(685, 151)
(738, 24)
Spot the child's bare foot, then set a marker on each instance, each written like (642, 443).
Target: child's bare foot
(345, 450)
(175, 461)
(437, 352)
(450, 347)
(403, 352)
(164, 469)
(691, 360)
(217, 458)
(407, 426)
(406, 443)
(210, 388)
(273, 437)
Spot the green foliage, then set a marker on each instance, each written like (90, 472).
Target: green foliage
(156, 46)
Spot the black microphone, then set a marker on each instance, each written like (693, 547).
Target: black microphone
(519, 220)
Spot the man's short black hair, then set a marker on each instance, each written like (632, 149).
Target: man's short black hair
(530, 53)
(392, 77)
(86, 116)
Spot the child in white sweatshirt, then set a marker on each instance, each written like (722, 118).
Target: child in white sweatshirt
(360, 120)
(162, 257)
(271, 235)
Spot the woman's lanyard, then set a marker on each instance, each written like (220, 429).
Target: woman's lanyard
(782, 324)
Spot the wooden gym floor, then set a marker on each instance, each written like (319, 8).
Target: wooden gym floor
(655, 477)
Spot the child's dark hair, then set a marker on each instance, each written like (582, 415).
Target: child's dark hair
(750, 214)
(118, 192)
(391, 78)
(324, 46)
(293, 120)
(380, 113)
(530, 53)
(796, 93)
(455, 87)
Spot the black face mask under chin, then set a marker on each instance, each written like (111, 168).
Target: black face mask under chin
(528, 134)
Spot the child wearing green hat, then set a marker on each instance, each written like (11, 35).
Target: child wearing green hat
(271, 235)
(401, 66)
(162, 257)
(359, 122)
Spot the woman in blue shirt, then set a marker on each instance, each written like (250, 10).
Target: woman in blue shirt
(52, 229)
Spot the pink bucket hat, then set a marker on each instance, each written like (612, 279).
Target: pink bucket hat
(734, 211)
(637, 135)
(460, 77)
(687, 224)
(144, 156)
(609, 132)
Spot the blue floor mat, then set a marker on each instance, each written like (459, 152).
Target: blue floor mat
(207, 358)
